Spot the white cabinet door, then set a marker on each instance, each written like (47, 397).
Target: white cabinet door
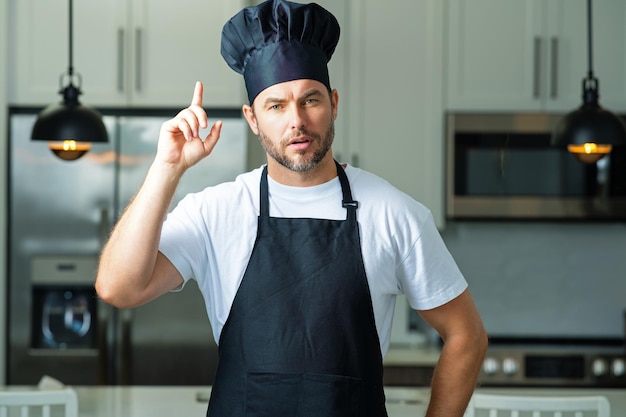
(394, 98)
(129, 52)
(39, 52)
(609, 52)
(565, 65)
(531, 55)
(174, 45)
(567, 31)
(495, 49)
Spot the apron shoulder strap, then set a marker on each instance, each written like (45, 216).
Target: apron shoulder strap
(264, 205)
(348, 202)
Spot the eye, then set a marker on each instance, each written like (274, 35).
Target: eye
(275, 107)
(311, 101)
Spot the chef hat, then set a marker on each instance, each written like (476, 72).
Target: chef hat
(280, 41)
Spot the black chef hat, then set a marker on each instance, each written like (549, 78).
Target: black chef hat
(280, 41)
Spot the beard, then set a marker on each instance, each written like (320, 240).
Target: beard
(305, 162)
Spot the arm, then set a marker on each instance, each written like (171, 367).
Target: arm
(132, 271)
(465, 344)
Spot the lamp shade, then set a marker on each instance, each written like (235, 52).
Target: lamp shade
(69, 120)
(69, 127)
(590, 131)
(589, 124)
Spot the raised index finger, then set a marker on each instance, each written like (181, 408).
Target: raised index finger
(197, 94)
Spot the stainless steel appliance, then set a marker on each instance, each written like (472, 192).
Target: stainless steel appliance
(60, 213)
(503, 166)
(554, 363)
(525, 361)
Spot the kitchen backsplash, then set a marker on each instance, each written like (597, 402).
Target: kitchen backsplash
(544, 279)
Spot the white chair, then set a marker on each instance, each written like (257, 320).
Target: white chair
(491, 405)
(43, 400)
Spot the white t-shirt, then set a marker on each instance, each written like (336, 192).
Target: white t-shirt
(209, 237)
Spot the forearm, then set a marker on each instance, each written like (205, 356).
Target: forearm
(455, 375)
(131, 271)
(128, 259)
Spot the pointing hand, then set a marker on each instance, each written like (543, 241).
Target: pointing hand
(179, 141)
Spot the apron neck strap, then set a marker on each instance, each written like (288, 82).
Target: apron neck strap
(347, 202)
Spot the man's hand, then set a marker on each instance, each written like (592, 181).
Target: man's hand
(180, 144)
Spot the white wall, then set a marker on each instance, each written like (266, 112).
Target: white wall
(4, 47)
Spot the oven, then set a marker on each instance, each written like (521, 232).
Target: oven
(557, 362)
(528, 363)
(502, 166)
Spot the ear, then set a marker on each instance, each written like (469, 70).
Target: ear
(248, 113)
(334, 101)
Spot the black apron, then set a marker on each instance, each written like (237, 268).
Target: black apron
(300, 339)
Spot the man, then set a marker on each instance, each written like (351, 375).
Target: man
(299, 261)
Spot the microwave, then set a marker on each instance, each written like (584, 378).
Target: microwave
(503, 166)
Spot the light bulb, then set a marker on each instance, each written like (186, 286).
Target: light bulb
(69, 150)
(589, 152)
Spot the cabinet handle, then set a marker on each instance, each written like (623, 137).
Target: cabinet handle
(120, 60)
(138, 44)
(554, 68)
(537, 68)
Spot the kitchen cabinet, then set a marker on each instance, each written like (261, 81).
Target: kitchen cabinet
(531, 55)
(391, 107)
(135, 53)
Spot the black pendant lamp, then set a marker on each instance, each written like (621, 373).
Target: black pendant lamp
(69, 126)
(589, 132)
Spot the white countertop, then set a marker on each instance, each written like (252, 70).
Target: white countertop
(142, 401)
(411, 356)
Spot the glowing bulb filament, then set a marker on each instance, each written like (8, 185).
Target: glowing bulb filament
(590, 148)
(69, 145)
(69, 149)
(589, 153)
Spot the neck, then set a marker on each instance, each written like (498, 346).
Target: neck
(323, 172)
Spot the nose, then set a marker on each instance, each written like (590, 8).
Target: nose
(297, 115)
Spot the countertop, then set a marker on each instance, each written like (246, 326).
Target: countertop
(142, 401)
(411, 356)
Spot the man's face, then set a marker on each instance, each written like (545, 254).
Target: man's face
(295, 122)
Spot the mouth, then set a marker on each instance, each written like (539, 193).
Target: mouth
(300, 143)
